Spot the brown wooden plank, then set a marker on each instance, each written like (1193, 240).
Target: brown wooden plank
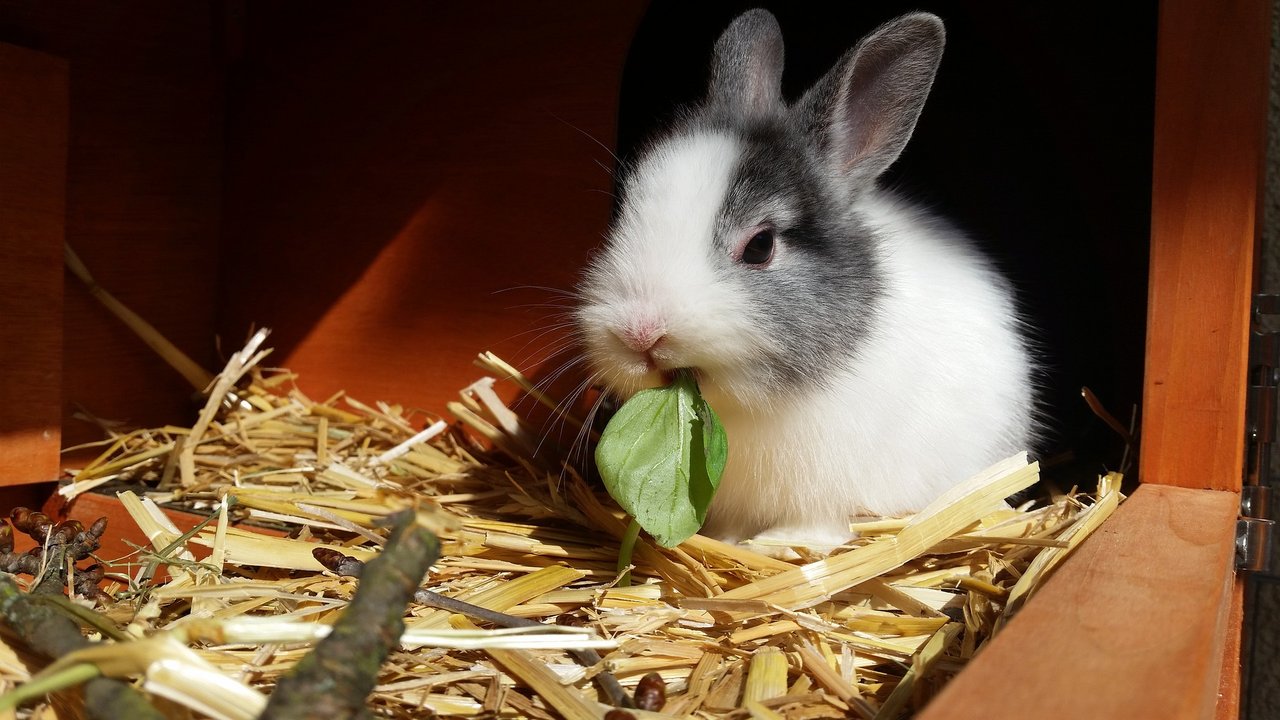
(144, 181)
(1211, 102)
(381, 201)
(31, 496)
(123, 536)
(1230, 680)
(33, 163)
(1131, 626)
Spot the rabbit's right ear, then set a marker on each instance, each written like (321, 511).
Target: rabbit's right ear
(746, 71)
(864, 111)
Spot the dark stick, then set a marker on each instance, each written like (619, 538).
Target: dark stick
(49, 632)
(333, 680)
(608, 684)
(605, 679)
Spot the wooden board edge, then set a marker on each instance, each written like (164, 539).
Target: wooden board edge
(123, 536)
(34, 123)
(1132, 625)
(1227, 706)
(1210, 130)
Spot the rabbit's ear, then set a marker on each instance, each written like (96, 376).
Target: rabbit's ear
(746, 70)
(862, 113)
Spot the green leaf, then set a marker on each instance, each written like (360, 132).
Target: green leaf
(712, 444)
(661, 458)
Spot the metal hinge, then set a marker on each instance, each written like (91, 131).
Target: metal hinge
(1253, 530)
(1255, 527)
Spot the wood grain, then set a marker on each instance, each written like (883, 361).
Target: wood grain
(123, 536)
(144, 186)
(394, 192)
(33, 161)
(1211, 107)
(1229, 683)
(1131, 626)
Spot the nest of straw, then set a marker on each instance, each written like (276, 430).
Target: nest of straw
(871, 631)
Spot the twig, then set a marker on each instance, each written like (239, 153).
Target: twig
(334, 680)
(50, 633)
(587, 658)
(1105, 416)
(178, 360)
(352, 567)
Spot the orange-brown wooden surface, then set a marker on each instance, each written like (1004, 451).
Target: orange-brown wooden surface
(396, 169)
(143, 192)
(1211, 83)
(1210, 128)
(33, 160)
(1230, 681)
(366, 179)
(123, 537)
(1132, 626)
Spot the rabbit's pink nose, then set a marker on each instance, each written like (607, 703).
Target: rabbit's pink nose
(642, 337)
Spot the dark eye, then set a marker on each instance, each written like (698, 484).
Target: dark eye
(759, 249)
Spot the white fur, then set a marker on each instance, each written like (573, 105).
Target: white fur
(659, 267)
(940, 386)
(940, 389)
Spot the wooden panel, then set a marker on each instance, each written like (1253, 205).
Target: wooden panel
(1229, 683)
(1131, 626)
(1211, 102)
(143, 192)
(123, 536)
(33, 162)
(396, 167)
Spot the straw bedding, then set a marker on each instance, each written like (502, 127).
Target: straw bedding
(872, 631)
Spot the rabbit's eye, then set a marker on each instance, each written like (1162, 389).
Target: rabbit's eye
(759, 249)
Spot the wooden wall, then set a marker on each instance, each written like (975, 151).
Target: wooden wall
(33, 117)
(370, 181)
(1210, 135)
(143, 191)
(395, 173)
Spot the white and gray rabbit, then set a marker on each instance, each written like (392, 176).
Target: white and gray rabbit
(863, 356)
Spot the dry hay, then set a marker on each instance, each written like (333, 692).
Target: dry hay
(872, 631)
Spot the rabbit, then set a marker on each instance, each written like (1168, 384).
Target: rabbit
(862, 355)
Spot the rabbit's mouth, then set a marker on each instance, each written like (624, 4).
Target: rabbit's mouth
(658, 359)
(669, 376)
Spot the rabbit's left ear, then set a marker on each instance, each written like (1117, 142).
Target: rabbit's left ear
(746, 70)
(864, 110)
